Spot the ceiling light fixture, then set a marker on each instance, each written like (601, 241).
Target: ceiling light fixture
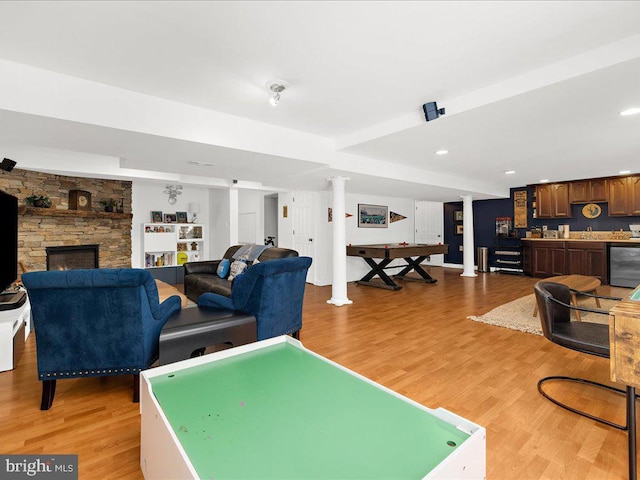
(544, 180)
(624, 172)
(442, 152)
(277, 87)
(630, 111)
(201, 164)
(509, 172)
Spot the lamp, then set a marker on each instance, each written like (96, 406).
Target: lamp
(277, 87)
(173, 191)
(194, 209)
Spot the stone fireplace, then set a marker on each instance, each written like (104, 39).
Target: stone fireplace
(73, 257)
(58, 226)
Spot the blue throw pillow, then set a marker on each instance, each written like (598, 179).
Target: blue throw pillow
(223, 268)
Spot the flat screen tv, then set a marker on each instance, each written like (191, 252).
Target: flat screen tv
(8, 240)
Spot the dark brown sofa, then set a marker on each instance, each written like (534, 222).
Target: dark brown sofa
(201, 277)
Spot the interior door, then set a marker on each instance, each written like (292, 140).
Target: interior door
(429, 225)
(303, 227)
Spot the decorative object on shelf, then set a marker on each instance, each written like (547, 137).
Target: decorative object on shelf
(79, 200)
(373, 216)
(170, 218)
(194, 246)
(194, 210)
(109, 204)
(181, 217)
(459, 230)
(173, 191)
(591, 210)
(121, 206)
(39, 201)
(156, 216)
(182, 258)
(457, 215)
(395, 217)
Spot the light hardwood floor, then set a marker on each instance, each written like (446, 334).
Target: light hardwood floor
(416, 341)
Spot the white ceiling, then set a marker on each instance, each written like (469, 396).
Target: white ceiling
(531, 86)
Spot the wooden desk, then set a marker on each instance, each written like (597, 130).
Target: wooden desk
(388, 253)
(624, 337)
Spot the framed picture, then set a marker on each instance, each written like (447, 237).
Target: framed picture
(459, 230)
(457, 215)
(170, 218)
(181, 217)
(156, 217)
(373, 216)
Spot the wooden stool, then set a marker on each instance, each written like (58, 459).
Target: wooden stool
(576, 282)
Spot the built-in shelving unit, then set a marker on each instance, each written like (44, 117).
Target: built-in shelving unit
(172, 244)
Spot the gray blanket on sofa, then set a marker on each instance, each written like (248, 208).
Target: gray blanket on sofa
(250, 252)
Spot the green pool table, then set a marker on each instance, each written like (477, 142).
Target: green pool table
(275, 410)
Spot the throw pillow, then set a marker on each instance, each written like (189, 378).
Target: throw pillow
(237, 267)
(223, 268)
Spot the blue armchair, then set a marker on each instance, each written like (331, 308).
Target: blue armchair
(95, 323)
(272, 292)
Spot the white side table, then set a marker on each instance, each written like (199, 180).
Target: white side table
(15, 326)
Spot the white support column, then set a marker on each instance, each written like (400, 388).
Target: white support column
(233, 216)
(467, 236)
(339, 284)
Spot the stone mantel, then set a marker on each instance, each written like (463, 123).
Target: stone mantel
(55, 212)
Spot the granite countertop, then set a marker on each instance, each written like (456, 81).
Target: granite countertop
(603, 240)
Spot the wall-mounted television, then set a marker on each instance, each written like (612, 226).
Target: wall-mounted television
(8, 240)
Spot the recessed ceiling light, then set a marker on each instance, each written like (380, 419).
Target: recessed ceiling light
(200, 164)
(630, 111)
(442, 152)
(544, 180)
(509, 172)
(624, 172)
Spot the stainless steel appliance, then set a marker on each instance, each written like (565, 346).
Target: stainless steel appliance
(624, 265)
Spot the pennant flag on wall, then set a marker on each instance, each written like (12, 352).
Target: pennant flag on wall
(395, 217)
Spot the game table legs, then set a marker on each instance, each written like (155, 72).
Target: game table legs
(378, 269)
(415, 265)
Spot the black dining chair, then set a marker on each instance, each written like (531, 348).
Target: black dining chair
(554, 305)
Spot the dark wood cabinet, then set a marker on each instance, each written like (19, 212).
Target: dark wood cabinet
(548, 259)
(587, 258)
(551, 258)
(624, 196)
(553, 201)
(587, 191)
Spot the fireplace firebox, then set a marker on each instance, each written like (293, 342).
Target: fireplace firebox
(72, 257)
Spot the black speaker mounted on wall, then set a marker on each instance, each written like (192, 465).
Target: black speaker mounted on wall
(7, 164)
(431, 111)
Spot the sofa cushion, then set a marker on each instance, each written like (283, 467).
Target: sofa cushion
(223, 268)
(202, 282)
(237, 267)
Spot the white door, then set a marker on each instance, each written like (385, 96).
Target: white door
(303, 227)
(430, 227)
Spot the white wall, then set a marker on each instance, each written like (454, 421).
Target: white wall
(271, 217)
(219, 221)
(149, 196)
(397, 232)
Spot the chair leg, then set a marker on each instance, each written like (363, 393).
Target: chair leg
(580, 412)
(136, 388)
(48, 391)
(296, 334)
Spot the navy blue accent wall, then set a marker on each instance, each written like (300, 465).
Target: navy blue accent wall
(486, 211)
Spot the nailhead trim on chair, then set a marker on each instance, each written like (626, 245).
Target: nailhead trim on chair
(109, 371)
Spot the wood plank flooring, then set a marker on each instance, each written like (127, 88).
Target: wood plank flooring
(416, 341)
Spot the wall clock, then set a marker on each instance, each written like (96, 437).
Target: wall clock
(591, 210)
(79, 200)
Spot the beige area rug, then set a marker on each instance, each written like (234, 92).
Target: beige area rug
(518, 314)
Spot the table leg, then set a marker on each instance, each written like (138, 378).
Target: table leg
(415, 265)
(595, 292)
(378, 269)
(574, 301)
(631, 425)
